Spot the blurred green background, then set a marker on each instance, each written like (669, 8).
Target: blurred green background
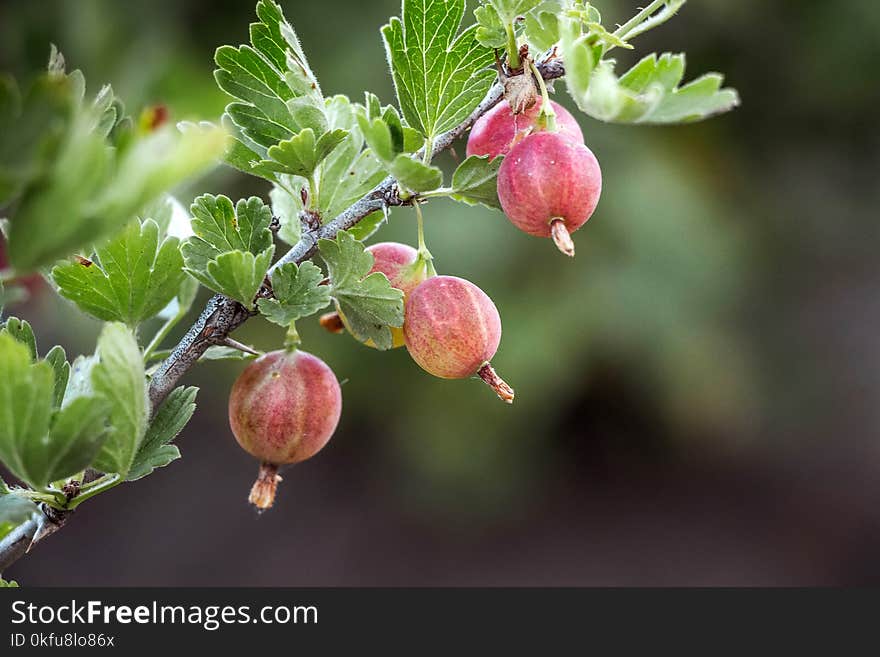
(696, 392)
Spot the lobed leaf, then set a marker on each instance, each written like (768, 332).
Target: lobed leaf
(349, 171)
(491, 31)
(368, 302)
(439, 74)
(232, 246)
(117, 374)
(386, 137)
(414, 175)
(219, 227)
(168, 421)
(237, 274)
(26, 392)
(649, 92)
(133, 277)
(21, 330)
(541, 30)
(476, 181)
(77, 434)
(298, 293)
(301, 154)
(277, 92)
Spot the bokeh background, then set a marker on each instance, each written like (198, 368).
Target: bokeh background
(697, 392)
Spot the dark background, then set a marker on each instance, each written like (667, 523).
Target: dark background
(696, 392)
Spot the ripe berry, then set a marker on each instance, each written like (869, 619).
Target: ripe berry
(549, 186)
(283, 408)
(452, 331)
(400, 263)
(494, 133)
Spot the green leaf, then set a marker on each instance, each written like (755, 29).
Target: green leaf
(495, 16)
(37, 445)
(169, 420)
(349, 172)
(232, 247)
(161, 211)
(78, 431)
(21, 330)
(11, 584)
(26, 390)
(14, 511)
(645, 20)
(368, 301)
(301, 154)
(99, 189)
(541, 30)
(237, 274)
(377, 134)
(579, 54)
(415, 175)
(218, 352)
(79, 383)
(118, 376)
(476, 181)
(220, 228)
(243, 154)
(35, 127)
(367, 226)
(439, 77)
(278, 93)
(491, 31)
(387, 140)
(61, 371)
(509, 10)
(132, 279)
(287, 209)
(276, 40)
(298, 293)
(155, 164)
(648, 93)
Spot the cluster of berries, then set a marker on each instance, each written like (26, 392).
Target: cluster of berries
(549, 183)
(286, 405)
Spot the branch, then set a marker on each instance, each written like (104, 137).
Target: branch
(221, 315)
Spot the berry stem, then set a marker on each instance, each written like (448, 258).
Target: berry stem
(561, 237)
(547, 117)
(502, 389)
(513, 60)
(424, 255)
(263, 491)
(292, 339)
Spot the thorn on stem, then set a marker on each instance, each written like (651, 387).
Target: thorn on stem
(235, 344)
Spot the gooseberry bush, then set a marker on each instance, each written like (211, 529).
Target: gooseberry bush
(85, 189)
